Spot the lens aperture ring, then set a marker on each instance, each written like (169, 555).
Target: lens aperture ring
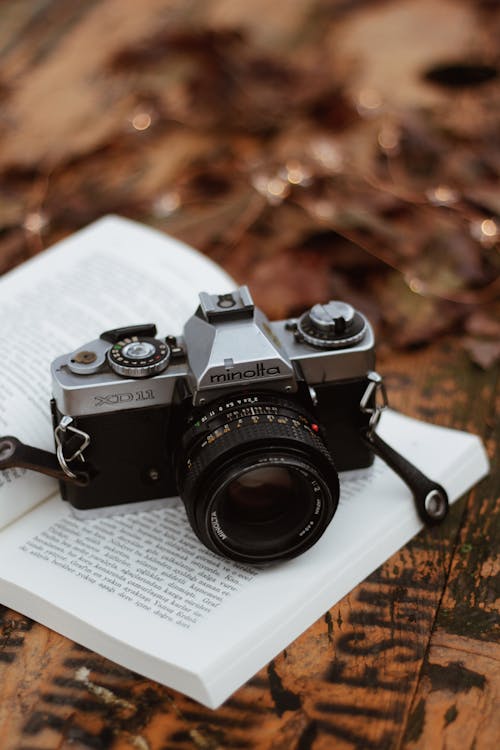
(231, 438)
(224, 413)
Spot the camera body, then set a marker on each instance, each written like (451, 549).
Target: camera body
(156, 412)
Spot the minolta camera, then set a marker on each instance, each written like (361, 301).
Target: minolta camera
(248, 420)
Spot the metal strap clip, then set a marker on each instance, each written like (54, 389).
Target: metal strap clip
(375, 388)
(63, 428)
(430, 497)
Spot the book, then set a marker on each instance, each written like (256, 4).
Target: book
(139, 588)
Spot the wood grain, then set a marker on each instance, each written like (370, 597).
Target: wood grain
(408, 659)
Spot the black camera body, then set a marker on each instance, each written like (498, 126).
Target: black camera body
(247, 420)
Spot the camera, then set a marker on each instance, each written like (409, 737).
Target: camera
(248, 421)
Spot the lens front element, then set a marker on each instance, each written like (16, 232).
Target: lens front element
(258, 496)
(268, 508)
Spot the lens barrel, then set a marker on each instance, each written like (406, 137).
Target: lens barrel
(256, 478)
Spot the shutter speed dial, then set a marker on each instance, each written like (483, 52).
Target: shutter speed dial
(139, 357)
(334, 325)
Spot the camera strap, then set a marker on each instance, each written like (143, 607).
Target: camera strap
(68, 464)
(14, 453)
(431, 499)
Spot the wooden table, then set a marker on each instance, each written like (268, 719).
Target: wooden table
(409, 659)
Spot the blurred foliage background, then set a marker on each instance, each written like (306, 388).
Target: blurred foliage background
(314, 148)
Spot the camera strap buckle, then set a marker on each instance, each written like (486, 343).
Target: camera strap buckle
(368, 403)
(430, 497)
(61, 435)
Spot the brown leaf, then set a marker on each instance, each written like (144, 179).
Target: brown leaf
(289, 282)
(485, 197)
(482, 353)
(460, 75)
(448, 261)
(481, 324)
(159, 47)
(411, 319)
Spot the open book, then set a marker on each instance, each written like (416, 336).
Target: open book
(140, 588)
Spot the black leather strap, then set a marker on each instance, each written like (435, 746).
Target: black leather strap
(14, 453)
(430, 497)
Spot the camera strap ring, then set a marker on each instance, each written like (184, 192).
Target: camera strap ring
(61, 434)
(368, 403)
(430, 498)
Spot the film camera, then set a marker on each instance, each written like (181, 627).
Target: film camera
(242, 417)
(247, 420)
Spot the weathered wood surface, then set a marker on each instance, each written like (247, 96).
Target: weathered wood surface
(104, 109)
(408, 660)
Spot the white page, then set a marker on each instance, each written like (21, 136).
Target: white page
(267, 608)
(111, 274)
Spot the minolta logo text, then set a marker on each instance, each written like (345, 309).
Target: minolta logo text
(254, 371)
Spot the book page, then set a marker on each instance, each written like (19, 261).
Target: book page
(111, 274)
(142, 590)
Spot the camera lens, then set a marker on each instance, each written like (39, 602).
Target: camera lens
(256, 478)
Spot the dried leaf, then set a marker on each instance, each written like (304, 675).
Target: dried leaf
(411, 319)
(289, 282)
(481, 324)
(460, 75)
(482, 353)
(306, 159)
